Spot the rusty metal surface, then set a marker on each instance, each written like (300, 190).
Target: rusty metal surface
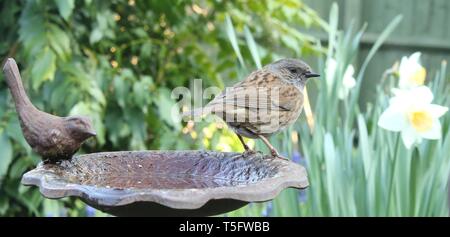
(172, 179)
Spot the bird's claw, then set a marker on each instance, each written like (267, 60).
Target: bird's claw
(276, 155)
(248, 153)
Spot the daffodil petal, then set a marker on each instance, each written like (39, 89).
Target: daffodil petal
(396, 91)
(349, 82)
(400, 102)
(403, 81)
(409, 137)
(435, 132)
(421, 94)
(415, 57)
(403, 65)
(436, 110)
(343, 92)
(392, 119)
(330, 71)
(411, 72)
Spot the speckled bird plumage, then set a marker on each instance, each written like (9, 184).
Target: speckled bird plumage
(54, 138)
(265, 102)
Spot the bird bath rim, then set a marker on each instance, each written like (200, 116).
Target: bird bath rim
(53, 185)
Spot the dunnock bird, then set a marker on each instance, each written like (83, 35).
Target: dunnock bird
(267, 101)
(54, 138)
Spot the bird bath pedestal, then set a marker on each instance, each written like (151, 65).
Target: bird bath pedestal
(167, 183)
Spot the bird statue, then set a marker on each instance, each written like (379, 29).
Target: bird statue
(264, 103)
(53, 138)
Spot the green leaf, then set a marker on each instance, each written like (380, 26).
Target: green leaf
(14, 131)
(138, 130)
(43, 68)
(252, 47)
(92, 111)
(146, 49)
(233, 40)
(140, 32)
(332, 183)
(291, 43)
(141, 93)
(59, 41)
(97, 94)
(81, 108)
(19, 167)
(334, 12)
(121, 89)
(364, 145)
(51, 208)
(32, 30)
(6, 154)
(96, 35)
(65, 7)
(4, 204)
(168, 109)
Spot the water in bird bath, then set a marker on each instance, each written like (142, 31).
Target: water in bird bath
(163, 170)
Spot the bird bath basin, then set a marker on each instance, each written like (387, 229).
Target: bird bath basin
(167, 183)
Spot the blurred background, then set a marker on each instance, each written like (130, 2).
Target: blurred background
(118, 61)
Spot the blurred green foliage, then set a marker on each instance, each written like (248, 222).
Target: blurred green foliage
(117, 62)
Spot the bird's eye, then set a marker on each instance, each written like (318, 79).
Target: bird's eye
(293, 70)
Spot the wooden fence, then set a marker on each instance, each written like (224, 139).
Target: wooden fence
(425, 27)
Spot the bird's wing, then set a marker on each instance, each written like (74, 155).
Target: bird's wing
(51, 139)
(246, 97)
(262, 94)
(289, 96)
(261, 91)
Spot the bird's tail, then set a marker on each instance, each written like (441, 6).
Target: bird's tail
(14, 81)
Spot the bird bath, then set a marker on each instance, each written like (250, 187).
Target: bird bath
(167, 183)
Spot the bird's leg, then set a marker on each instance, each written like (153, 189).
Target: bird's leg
(272, 149)
(243, 142)
(248, 151)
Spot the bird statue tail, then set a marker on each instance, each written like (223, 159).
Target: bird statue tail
(14, 82)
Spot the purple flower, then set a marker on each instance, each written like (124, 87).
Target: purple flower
(268, 210)
(90, 211)
(63, 212)
(58, 211)
(302, 196)
(298, 158)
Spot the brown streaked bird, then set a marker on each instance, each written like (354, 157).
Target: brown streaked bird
(264, 103)
(52, 137)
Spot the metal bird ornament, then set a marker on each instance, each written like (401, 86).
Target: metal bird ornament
(52, 137)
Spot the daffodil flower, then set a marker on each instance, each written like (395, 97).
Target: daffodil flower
(411, 72)
(411, 113)
(348, 81)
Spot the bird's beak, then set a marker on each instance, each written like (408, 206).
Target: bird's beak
(92, 133)
(312, 74)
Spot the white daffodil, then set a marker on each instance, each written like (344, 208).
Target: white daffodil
(348, 81)
(411, 72)
(330, 71)
(411, 113)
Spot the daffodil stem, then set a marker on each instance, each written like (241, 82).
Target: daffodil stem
(392, 174)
